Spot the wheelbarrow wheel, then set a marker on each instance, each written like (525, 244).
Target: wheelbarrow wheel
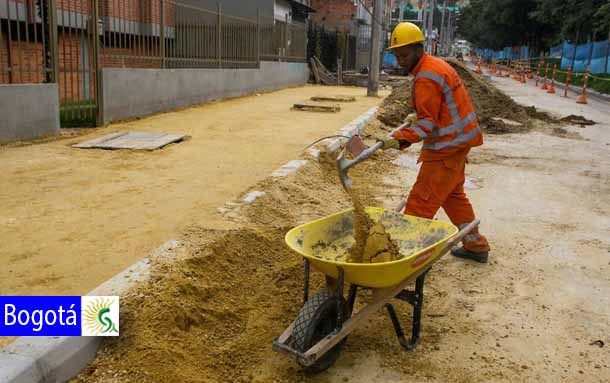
(316, 320)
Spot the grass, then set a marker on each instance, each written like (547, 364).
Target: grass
(77, 114)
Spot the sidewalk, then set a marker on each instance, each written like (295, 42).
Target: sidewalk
(73, 218)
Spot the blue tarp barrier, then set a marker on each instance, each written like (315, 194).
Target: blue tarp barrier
(594, 55)
(389, 60)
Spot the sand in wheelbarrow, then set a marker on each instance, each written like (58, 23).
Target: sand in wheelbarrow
(372, 244)
(379, 246)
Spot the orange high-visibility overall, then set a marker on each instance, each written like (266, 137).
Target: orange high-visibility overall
(448, 125)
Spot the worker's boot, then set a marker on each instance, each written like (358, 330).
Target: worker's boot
(467, 254)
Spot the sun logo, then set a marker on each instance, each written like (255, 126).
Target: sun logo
(100, 317)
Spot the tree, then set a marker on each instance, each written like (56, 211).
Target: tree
(538, 23)
(498, 23)
(573, 19)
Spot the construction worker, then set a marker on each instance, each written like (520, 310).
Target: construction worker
(447, 124)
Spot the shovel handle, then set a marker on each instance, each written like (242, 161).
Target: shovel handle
(365, 154)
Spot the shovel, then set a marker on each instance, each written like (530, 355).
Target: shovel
(356, 148)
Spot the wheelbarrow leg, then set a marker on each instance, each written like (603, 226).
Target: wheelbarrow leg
(306, 281)
(416, 299)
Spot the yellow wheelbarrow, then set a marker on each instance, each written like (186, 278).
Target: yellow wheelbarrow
(318, 333)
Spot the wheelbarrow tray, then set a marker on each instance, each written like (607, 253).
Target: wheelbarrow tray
(411, 268)
(324, 243)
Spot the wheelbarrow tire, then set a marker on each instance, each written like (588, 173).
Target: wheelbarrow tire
(316, 320)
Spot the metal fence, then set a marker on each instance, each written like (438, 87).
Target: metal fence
(67, 41)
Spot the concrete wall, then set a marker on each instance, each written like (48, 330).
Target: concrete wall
(131, 93)
(28, 111)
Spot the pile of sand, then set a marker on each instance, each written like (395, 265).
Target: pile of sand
(489, 103)
(211, 317)
(397, 106)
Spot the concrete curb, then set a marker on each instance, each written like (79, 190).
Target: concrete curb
(590, 92)
(349, 130)
(58, 359)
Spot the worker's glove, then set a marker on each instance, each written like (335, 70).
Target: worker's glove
(389, 143)
(402, 144)
(411, 118)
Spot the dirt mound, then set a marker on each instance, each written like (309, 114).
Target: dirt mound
(488, 101)
(397, 106)
(211, 317)
(577, 120)
(538, 115)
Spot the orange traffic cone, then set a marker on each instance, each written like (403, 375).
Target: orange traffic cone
(500, 71)
(582, 99)
(546, 73)
(565, 89)
(478, 71)
(552, 87)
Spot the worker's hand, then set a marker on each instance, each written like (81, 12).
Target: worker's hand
(389, 143)
(411, 118)
(402, 144)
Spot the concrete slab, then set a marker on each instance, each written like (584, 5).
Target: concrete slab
(334, 98)
(131, 140)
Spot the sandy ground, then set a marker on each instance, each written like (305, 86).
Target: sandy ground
(70, 218)
(532, 314)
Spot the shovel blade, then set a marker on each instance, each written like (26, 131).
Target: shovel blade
(355, 146)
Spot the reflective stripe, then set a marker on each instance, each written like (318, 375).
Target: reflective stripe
(446, 90)
(463, 225)
(459, 127)
(460, 139)
(426, 123)
(471, 237)
(419, 132)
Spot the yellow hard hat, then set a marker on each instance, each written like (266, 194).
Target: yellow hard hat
(406, 34)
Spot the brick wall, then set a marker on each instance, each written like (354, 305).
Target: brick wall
(335, 14)
(81, 6)
(3, 61)
(145, 11)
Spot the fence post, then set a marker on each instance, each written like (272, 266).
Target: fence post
(99, 95)
(575, 46)
(591, 42)
(286, 36)
(561, 57)
(219, 35)
(258, 38)
(607, 52)
(53, 42)
(162, 32)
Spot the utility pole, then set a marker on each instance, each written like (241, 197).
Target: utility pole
(430, 26)
(449, 34)
(373, 86)
(441, 38)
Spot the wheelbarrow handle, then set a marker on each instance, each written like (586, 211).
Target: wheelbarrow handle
(460, 235)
